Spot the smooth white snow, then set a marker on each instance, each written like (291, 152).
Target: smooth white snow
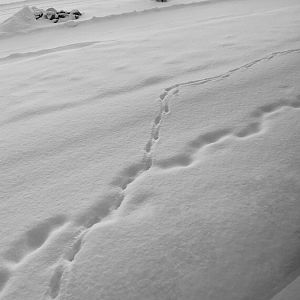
(150, 151)
(20, 21)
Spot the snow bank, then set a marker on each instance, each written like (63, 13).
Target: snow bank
(29, 18)
(291, 292)
(150, 155)
(23, 19)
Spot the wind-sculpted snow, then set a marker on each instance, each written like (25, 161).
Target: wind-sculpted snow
(186, 158)
(24, 20)
(26, 55)
(21, 21)
(4, 277)
(67, 109)
(129, 175)
(105, 209)
(128, 13)
(33, 239)
(289, 292)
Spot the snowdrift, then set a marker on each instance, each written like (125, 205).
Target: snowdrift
(22, 20)
(149, 155)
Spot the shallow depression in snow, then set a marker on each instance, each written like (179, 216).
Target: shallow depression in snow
(145, 154)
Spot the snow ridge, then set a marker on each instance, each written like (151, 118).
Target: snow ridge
(35, 238)
(130, 174)
(96, 19)
(38, 53)
(186, 157)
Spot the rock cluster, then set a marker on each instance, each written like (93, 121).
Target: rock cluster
(54, 15)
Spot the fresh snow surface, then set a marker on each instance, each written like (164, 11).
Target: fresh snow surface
(150, 151)
(20, 21)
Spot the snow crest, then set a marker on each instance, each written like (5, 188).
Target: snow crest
(20, 21)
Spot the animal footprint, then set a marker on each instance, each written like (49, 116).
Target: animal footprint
(209, 138)
(100, 210)
(180, 160)
(4, 277)
(55, 282)
(129, 174)
(33, 239)
(73, 251)
(185, 158)
(251, 129)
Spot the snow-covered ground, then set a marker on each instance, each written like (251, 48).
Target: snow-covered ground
(150, 151)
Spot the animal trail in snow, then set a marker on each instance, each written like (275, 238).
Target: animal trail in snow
(186, 157)
(131, 173)
(67, 259)
(250, 129)
(209, 138)
(166, 108)
(85, 221)
(100, 210)
(148, 146)
(180, 160)
(4, 277)
(33, 239)
(55, 282)
(270, 108)
(71, 254)
(30, 241)
(109, 204)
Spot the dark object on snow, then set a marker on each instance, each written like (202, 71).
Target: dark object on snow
(53, 15)
(75, 12)
(62, 15)
(161, 0)
(50, 15)
(38, 14)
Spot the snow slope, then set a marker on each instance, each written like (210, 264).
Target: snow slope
(22, 20)
(292, 291)
(151, 154)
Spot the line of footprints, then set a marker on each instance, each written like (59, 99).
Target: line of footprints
(35, 238)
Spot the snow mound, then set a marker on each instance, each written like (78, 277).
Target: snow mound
(56, 16)
(20, 21)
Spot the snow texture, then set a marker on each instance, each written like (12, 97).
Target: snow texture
(150, 150)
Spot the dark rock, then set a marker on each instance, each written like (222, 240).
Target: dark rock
(54, 15)
(75, 12)
(50, 15)
(62, 15)
(38, 13)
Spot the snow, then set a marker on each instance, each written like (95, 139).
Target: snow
(18, 22)
(290, 292)
(150, 151)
